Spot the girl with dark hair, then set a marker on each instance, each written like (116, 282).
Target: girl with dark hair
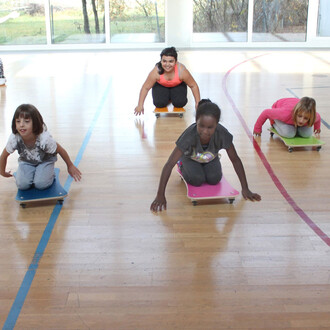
(37, 151)
(2, 74)
(169, 80)
(198, 149)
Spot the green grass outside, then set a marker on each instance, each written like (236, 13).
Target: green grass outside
(28, 29)
(137, 25)
(23, 28)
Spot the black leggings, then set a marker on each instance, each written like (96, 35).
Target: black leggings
(162, 96)
(196, 173)
(2, 74)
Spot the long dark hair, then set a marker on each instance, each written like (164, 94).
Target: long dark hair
(170, 51)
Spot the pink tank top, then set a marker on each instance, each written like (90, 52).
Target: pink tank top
(170, 83)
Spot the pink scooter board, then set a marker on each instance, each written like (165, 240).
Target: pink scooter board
(223, 189)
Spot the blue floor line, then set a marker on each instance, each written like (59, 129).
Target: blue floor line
(29, 275)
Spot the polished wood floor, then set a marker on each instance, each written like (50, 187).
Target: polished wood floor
(104, 261)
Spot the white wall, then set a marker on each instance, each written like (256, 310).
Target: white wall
(324, 18)
(179, 23)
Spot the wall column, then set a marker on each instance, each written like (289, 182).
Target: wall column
(179, 22)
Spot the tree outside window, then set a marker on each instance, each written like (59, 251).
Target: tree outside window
(137, 21)
(280, 20)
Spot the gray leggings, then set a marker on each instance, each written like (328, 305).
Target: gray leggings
(290, 131)
(198, 173)
(41, 176)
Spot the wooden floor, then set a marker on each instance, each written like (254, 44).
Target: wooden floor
(104, 261)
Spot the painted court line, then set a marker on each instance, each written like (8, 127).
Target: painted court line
(29, 275)
(267, 165)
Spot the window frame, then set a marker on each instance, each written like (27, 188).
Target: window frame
(179, 32)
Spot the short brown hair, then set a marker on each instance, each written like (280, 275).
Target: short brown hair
(29, 111)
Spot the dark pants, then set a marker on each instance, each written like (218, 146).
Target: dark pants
(198, 173)
(2, 74)
(162, 96)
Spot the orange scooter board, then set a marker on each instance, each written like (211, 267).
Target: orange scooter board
(159, 111)
(223, 189)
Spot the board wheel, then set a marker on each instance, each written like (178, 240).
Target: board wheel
(23, 205)
(60, 201)
(271, 134)
(318, 148)
(290, 149)
(157, 115)
(231, 200)
(181, 115)
(194, 203)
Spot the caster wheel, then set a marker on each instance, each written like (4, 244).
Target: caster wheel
(318, 148)
(231, 200)
(290, 149)
(23, 206)
(181, 115)
(194, 203)
(271, 134)
(157, 115)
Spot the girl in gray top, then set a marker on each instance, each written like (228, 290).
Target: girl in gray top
(37, 151)
(198, 148)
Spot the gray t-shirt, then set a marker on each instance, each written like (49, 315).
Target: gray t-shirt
(189, 143)
(44, 149)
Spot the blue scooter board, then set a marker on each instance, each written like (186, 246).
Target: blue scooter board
(54, 192)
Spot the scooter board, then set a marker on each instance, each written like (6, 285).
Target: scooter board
(159, 111)
(298, 141)
(223, 189)
(54, 192)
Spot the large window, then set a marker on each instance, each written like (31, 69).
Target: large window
(77, 21)
(324, 19)
(273, 20)
(106, 24)
(81, 21)
(280, 20)
(220, 21)
(137, 21)
(22, 22)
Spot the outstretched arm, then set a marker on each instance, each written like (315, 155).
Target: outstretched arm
(266, 114)
(159, 202)
(190, 81)
(317, 125)
(3, 164)
(150, 81)
(239, 169)
(73, 170)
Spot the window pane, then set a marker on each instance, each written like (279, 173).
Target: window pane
(324, 19)
(22, 24)
(77, 21)
(280, 20)
(137, 21)
(220, 20)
